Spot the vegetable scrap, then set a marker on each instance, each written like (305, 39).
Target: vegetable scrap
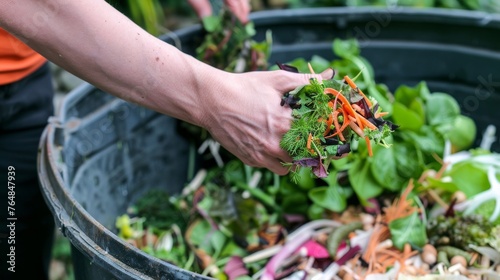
(430, 211)
(232, 236)
(328, 117)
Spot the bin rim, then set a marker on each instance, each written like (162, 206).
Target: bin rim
(71, 217)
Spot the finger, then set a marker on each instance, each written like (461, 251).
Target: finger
(277, 167)
(240, 8)
(201, 7)
(290, 80)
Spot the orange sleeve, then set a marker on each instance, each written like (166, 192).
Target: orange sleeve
(17, 60)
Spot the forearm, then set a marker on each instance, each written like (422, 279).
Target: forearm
(99, 44)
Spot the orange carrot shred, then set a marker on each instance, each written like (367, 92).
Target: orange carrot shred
(356, 129)
(309, 140)
(366, 122)
(350, 82)
(369, 146)
(381, 114)
(338, 128)
(330, 121)
(355, 87)
(343, 100)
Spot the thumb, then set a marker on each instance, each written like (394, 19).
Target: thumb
(294, 80)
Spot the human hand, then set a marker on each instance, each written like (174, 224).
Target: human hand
(246, 118)
(240, 8)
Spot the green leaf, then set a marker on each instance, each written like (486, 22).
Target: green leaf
(346, 48)
(409, 229)
(450, 187)
(406, 118)
(463, 133)
(295, 203)
(427, 140)
(198, 233)
(329, 197)
(217, 240)
(469, 177)
(441, 108)
(418, 107)
(306, 180)
(406, 95)
(319, 64)
(384, 168)
(211, 23)
(362, 181)
(315, 212)
(250, 29)
(409, 163)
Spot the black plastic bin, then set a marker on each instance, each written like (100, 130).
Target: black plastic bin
(100, 153)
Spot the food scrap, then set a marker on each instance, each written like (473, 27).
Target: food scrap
(328, 117)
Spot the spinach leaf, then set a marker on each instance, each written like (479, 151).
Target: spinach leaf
(409, 229)
(406, 118)
(384, 169)
(330, 197)
(442, 108)
(469, 177)
(362, 181)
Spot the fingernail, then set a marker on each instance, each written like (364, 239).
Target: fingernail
(326, 73)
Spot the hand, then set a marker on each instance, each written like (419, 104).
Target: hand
(240, 8)
(247, 119)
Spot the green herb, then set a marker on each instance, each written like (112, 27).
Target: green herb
(328, 117)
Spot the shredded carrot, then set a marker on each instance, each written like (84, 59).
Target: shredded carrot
(358, 109)
(358, 121)
(329, 122)
(309, 140)
(356, 129)
(381, 114)
(339, 128)
(366, 122)
(342, 99)
(355, 87)
(350, 82)
(369, 146)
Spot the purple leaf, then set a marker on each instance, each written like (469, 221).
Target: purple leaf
(235, 268)
(373, 206)
(320, 171)
(307, 162)
(316, 250)
(317, 166)
(287, 67)
(294, 218)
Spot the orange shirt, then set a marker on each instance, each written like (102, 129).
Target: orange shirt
(17, 60)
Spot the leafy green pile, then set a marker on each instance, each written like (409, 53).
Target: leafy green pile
(328, 117)
(426, 121)
(228, 44)
(243, 220)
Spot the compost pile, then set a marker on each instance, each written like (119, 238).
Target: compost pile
(365, 198)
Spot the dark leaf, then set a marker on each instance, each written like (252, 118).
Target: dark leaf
(287, 67)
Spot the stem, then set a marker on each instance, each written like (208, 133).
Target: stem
(260, 195)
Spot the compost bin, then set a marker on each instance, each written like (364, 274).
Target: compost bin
(100, 153)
